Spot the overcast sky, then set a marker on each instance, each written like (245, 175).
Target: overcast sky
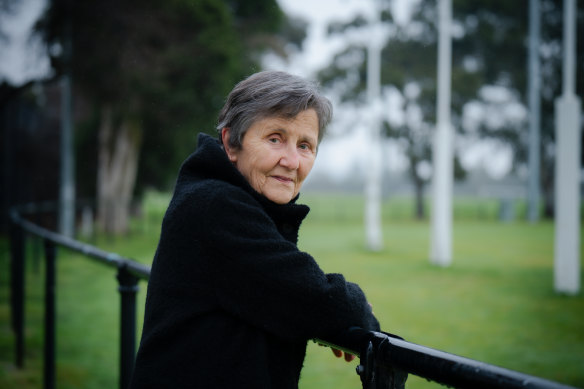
(19, 61)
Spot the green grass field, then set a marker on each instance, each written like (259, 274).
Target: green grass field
(495, 303)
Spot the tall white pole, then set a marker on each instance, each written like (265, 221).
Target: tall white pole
(534, 86)
(373, 228)
(441, 233)
(567, 177)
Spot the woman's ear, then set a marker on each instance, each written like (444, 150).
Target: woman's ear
(225, 133)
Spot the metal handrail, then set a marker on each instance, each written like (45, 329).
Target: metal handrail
(108, 258)
(392, 358)
(385, 359)
(128, 274)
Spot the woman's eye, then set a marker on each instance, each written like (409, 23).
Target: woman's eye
(274, 140)
(305, 146)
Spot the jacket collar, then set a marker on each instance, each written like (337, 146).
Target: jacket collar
(210, 161)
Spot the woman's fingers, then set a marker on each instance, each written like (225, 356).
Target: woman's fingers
(339, 354)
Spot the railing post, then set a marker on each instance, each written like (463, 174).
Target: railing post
(50, 333)
(17, 281)
(373, 372)
(128, 287)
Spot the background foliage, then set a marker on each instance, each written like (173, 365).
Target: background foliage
(489, 50)
(168, 65)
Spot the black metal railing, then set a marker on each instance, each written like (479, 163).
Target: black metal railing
(385, 359)
(129, 272)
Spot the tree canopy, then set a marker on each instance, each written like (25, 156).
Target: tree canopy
(150, 75)
(168, 64)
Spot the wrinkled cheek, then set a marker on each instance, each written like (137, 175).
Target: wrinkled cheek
(257, 183)
(297, 189)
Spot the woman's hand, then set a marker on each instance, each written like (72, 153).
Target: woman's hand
(348, 357)
(339, 354)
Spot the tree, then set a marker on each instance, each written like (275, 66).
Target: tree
(489, 57)
(409, 67)
(495, 38)
(155, 74)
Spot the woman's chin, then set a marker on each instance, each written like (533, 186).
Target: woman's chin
(279, 197)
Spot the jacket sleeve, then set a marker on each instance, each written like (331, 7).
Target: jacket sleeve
(263, 279)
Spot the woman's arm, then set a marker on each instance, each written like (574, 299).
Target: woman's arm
(265, 280)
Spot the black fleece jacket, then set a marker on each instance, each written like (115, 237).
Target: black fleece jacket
(231, 301)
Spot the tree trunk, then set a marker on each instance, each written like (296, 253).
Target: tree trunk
(116, 174)
(547, 186)
(548, 201)
(420, 209)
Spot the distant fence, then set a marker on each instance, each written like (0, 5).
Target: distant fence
(385, 360)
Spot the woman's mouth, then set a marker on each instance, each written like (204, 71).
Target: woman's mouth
(284, 180)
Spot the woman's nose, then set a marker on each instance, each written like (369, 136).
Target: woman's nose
(290, 158)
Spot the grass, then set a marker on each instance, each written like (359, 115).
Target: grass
(495, 303)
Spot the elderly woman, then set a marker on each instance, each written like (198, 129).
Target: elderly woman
(231, 300)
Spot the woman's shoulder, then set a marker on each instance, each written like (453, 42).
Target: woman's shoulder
(206, 195)
(210, 190)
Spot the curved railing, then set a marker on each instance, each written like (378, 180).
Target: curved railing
(385, 359)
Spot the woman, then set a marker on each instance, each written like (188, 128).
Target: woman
(231, 300)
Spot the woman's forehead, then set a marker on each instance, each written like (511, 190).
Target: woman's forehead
(306, 120)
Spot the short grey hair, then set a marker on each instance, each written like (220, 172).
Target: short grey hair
(271, 94)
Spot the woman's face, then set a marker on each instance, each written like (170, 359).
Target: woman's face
(277, 154)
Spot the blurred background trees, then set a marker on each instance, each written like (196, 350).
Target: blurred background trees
(151, 75)
(489, 80)
(148, 76)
